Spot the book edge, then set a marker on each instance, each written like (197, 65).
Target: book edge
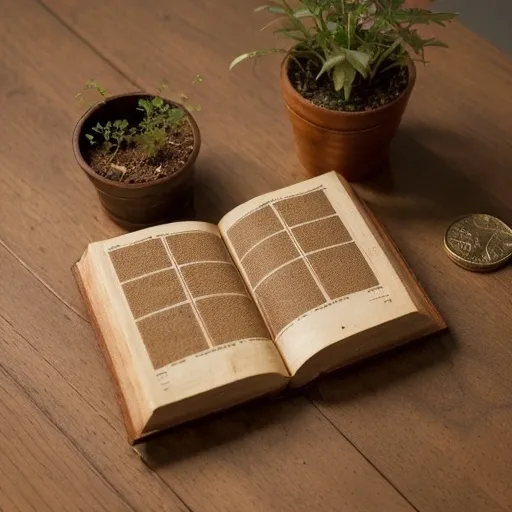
(365, 210)
(372, 355)
(129, 426)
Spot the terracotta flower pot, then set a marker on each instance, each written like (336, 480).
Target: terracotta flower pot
(355, 144)
(136, 205)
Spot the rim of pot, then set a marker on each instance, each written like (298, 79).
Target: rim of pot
(286, 80)
(90, 171)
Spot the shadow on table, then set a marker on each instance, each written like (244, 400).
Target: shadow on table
(214, 195)
(227, 177)
(435, 174)
(393, 368)
(222, 428)
(432, 174)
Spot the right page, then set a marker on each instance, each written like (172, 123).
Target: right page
(317, 272)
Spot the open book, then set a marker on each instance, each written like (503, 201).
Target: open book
(194, 318)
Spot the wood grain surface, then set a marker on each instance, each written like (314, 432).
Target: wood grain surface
(426, 428)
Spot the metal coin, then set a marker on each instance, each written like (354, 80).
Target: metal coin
(478, 242)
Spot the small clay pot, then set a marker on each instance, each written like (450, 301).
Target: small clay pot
(136, 205)
(355, 144)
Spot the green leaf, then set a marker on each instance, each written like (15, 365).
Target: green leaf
(145, 105)
(271, 22)
(291, 33)
(157, 102)
(350, 75)
(343, 76)
(360, 61)
(296, 13)
(92, 84)
(338, 77)
(121, 124)
(303, 13)
(276, 9)
(435, 42)
(424, 16)
(330, 63)
(240, 58)
(253, 54)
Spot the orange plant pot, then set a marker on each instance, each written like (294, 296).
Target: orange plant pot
(355, 144)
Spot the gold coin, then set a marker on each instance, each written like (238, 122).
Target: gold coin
(478, 242)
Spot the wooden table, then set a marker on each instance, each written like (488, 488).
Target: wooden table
(425, 428)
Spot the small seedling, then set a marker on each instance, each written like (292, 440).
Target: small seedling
(90, 85)
(164, 84)
(159, 122)
(113, 134)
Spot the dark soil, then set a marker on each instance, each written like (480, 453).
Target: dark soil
(130, 165)
(366, 95)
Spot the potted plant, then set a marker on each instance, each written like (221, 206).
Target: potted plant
(138, 150)
(347, 77)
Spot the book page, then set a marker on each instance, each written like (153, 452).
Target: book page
(313, 266)
(185, 312)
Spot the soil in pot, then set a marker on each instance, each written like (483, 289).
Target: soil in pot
(132, 165)
(366, 95)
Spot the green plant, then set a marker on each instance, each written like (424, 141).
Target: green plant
(159, 122)
(90, 85)
(347, 38)
(114, 134)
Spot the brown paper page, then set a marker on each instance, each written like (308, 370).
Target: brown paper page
(187, 318)
(313, 266)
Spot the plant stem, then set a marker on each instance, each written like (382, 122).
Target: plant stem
(113, 155)
(348, 29)
(384, 56)
(323, 23)
(314, 52)
(391, 66)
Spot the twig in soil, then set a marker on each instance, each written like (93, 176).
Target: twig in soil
(120, 168)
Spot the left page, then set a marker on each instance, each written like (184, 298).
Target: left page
(184, 312)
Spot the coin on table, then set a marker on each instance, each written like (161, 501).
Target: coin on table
(479, 242)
